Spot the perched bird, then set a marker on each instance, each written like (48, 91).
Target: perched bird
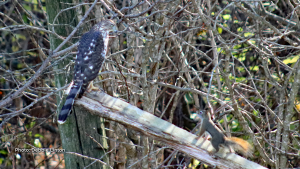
(89, 59)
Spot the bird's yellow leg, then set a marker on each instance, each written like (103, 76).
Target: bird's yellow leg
(91, 87)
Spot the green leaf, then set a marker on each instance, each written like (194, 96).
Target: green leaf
(237, 46)
(240, 29)
(20, 65)
(293, 127)
(248, 34)
(255, 113)
(234, 124)
(255, 68)
(3, 152)
(188, 98)
(37, 143)
(220, 30)
(240, 79)
(226, 17)
(14, 48)
(38, 135)
(291, 60)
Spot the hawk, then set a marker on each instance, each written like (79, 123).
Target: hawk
(92, 49)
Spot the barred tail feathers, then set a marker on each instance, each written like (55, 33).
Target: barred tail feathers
(66, 109)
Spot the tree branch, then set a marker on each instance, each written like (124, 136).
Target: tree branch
(103, 105)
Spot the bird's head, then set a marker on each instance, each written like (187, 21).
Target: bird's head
(106, 26)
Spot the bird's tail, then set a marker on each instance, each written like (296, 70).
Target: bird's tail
(66, 109)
